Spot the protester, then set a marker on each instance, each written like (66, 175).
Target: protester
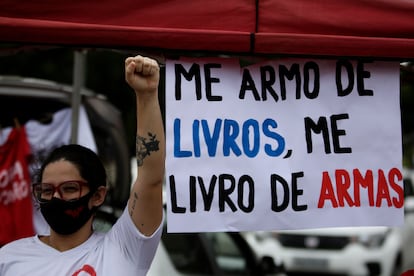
(71, 186)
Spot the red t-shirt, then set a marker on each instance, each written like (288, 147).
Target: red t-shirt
(15, 191)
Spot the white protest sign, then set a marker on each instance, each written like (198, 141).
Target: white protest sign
(282, 144)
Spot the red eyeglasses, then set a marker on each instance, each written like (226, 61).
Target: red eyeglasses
(68, 190)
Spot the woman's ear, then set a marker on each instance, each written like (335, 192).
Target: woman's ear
(98, 197)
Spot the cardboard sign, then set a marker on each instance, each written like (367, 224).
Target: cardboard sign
(282, 144)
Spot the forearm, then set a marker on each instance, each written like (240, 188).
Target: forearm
(145, 203)
(150, 140)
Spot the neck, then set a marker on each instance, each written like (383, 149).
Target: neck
(67, 242)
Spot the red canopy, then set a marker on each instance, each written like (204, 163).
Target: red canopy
(381, 28)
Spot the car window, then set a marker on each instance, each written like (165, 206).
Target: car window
(228, 255)
(187, 253)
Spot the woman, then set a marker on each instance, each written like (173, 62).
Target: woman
(72, 185)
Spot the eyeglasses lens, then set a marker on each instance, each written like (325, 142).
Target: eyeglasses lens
(66, 190)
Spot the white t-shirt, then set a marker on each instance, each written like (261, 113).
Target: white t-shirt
(45, 137)
(121, 251)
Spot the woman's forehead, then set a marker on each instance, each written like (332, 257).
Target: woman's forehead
(59, 171)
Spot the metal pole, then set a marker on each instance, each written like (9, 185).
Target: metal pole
(78, 84)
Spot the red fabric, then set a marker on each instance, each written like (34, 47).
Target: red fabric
(177, 25)
(267, 43)
(76, 34)
(382, 28)
(15, 191)
(408, 273)
(229, 15)
(362, 18)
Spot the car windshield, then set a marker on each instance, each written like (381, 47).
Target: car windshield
(187, 253)
(228, 256)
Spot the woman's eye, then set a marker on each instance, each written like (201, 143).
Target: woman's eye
(70, 189)
(47, 191)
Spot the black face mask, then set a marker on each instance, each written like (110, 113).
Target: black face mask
(67, 217)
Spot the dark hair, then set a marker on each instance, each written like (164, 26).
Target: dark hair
(88, 163)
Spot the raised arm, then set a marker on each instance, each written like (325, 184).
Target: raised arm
(145, 201)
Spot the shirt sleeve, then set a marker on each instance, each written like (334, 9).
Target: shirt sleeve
(136, 247)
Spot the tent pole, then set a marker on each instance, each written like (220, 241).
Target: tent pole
(78, 84)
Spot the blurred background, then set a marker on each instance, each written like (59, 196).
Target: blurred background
(109, 104)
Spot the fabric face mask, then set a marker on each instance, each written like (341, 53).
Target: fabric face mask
(66, 217)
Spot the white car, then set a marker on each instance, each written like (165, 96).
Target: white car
(382, 251)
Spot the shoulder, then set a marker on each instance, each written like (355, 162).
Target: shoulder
(16, 247)
(19, 243)
(124, 234)
(128, 243)
(127, 226)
